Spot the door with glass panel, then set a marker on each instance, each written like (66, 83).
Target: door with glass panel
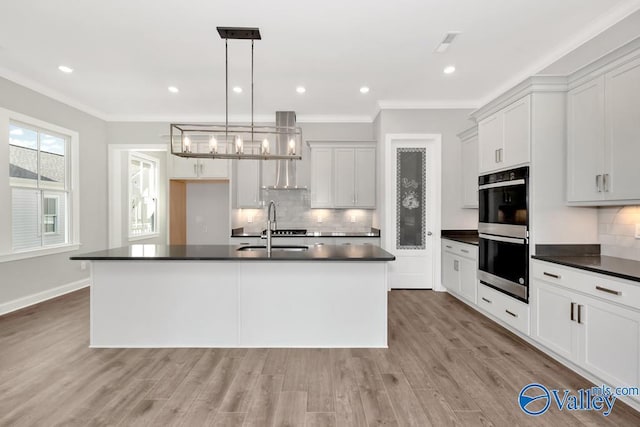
(409, 209)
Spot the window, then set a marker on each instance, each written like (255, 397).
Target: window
(39, 187)
(143, 195)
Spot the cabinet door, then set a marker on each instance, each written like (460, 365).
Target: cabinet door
(468, 279)
(247, 184)
(553, 326)
(622, 141)
(610, 342)
(344, 177)
(213, 168)
(470, 173)
(490, 140)
(365, 177)
(585, 139)
(183, 167)
(321, 177)
(450, 272)
(517, 133)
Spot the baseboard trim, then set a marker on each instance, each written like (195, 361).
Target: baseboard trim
(29, 300)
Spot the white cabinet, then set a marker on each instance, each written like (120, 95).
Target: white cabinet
(321, 177)
(585, 139)
(469, 172)
(603, 134)
(246, 184)
(505, 137)
(459, 269)
(343, 175)
(574, 318)
(191, 168)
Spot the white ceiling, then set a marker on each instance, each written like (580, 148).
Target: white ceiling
(125, 53)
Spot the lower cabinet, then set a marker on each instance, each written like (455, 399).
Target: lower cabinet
(599, 336)
(504, 308)
(459, 269)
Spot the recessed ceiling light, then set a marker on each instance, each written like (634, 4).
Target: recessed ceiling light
(450, 69)
(65, 69)
(173, 89)
(301, 89)
(237, 89)
(364, 89)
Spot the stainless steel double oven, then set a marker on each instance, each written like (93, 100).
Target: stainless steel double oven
(503, 262)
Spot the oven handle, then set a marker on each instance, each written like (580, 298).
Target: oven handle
(503, 184)
(503, 239)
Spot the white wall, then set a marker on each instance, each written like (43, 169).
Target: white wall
(29, 277)
(448, 123)
(208, 213)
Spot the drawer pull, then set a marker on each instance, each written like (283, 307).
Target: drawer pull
(555, 276)
(448, 247)
(609, 291)
(573, 307)
(510, 313)
(487, 300)
(464, 250)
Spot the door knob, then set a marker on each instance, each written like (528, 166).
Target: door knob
(429, 233)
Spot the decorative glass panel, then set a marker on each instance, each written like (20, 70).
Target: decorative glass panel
(411, 197)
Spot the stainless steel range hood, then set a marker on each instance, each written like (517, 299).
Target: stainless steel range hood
(285, 169)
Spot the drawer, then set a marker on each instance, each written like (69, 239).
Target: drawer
(608, 288)
(462, 249)
(511, 311)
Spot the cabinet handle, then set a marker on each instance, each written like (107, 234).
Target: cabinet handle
(579, 313)
(573, 307)
(201, 168)
(598, 185)
(500, 154)
(487, 300)
(510, 313)
(448, 247)
(605, 182)
(464, 250)
(195, 169)
(456, 265)
(607, 290)
(555, 276)
(496, 156)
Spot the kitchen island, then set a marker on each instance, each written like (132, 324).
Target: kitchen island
(231, 296)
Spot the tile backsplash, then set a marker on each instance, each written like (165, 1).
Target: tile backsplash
(294, 211)
(616, 230)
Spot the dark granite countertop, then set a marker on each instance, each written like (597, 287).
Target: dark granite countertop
(239, 232)
(230, 253)
(610, 266)
(463, 236)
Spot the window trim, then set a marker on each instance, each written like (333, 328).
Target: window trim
(7, 253)
(153, 160)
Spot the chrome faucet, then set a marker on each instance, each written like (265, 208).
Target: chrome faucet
(271, 224)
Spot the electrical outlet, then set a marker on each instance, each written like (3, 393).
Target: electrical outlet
(353, 218)
(319, 219)
(637, 231)
(83, 265)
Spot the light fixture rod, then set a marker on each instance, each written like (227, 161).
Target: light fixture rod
(252, 89)
(226, 89)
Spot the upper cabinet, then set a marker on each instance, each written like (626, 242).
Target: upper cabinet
(246, 184)
(343, 175)
(469, 171)
(505, 137)
(190, 168)
(603, 134)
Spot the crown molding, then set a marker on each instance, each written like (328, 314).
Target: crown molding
(51, 93)
(589, 32)
(469, 133)
(241, 118)
(427, 105)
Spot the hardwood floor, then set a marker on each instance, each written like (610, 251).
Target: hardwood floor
(446, 366)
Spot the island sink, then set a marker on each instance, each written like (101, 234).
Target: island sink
(274, 248)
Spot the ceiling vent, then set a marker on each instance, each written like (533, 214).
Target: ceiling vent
(446, 42)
